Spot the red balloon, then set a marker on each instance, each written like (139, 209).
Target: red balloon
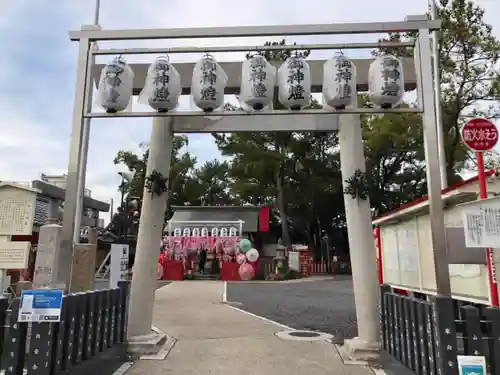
(246, 271)
(241, 258)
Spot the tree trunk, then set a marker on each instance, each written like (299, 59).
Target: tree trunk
(281, 201)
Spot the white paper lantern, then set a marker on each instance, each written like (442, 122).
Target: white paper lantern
(386, 81)
(162, 88)
(115, 86)
(294, 82)
(339, 82)
(258, 78)
(252, 255)
(208, 83)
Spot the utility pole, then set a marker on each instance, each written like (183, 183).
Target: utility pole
(83, 152)
(441, 138)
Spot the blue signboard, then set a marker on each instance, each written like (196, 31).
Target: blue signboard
(471, 365)
(41, 305)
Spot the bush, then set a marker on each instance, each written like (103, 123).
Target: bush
(292, 275)
(284, 274)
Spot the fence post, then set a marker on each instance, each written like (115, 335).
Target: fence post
(125, 287)
(69, 334)
(115, 299)
(80, 319)
(89, 340)
(41, 352)
(98, 321)
(119, 317)
(402, 329)
(431, 338)
(4, 305)
(86, 325)
(59, 334)
(106, 319)
(415, 342)
(391, 304)
(409, 327)
(445, 335)
(473, 337)
(424, 363)
(384, 289)
(15, 343)
(493, 316)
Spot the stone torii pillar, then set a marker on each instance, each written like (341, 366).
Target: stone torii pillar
(151, 226)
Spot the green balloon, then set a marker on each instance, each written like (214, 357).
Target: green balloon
(245, 245)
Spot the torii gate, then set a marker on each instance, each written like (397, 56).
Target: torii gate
(418, 74)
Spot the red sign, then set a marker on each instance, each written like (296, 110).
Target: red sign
(479, 134)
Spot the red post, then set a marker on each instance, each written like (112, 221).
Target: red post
(378, 245)
(483, 194)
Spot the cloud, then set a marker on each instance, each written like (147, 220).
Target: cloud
(37, 69)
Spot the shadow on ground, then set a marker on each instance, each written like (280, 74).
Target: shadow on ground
(326, 306)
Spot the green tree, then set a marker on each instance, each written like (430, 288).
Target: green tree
(210, 185)
(182, 165)
(260, 159)
(470, 73)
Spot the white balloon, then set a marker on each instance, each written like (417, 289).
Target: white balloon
(177, 232)
(196, 232)
(186, 232)
(115, 86)
(215, 232)
(386, 81)
(294, 82)
(233, 232)
(339, 82)
(252, 255)
(223, 232)
(204, 232)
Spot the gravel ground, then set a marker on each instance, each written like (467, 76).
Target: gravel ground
(326, 306)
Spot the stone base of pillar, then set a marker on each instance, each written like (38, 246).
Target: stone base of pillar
(149, 344)
(357, 351)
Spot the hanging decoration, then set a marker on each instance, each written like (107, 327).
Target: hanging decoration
(357, 185)
(244, 245)
(252, 255)
(258, 78)
(115, 86)
(246, 272)
(208, 83)
(162, 88)
(339, 82)
(241, 258)
(386, 81)
(156, 184)
(294, 82)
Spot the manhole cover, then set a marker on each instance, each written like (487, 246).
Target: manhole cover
(300, 335)
(304, 334)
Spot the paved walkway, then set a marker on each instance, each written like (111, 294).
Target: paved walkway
(214, 338)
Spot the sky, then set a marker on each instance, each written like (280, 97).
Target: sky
(38, 69)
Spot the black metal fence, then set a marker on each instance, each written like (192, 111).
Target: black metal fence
(91, 332)
(426, 335)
